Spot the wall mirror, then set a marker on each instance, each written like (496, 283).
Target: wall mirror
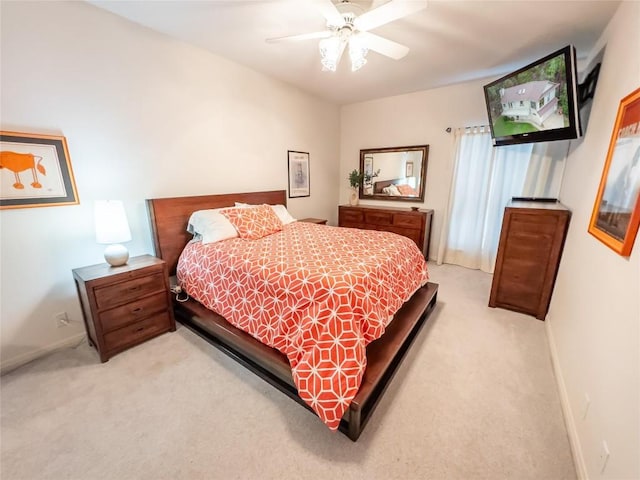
(402, 176)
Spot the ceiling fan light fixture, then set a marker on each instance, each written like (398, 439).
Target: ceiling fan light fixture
(357, 52)
(330, 53)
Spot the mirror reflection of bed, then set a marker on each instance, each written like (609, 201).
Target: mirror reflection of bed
(401, 173)
(169, 218)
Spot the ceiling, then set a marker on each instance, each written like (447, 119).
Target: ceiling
(449, 41)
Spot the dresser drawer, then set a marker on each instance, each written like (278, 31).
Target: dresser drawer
(137, 332)
(409, 233)
(132, 312)
(378, 218)
(532, 225)
(351, 216)
(408, 221)
(123, 292)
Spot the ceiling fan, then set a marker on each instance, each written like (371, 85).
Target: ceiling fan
(349, 24)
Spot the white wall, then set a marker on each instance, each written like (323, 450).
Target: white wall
(594, 319)
(144, 116)
(413, 119)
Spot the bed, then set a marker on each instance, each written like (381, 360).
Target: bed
(169, 218)
(395, 187)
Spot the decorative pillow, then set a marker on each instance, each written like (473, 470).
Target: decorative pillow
(406, 190)
(253, 222)
(391, 190)
(211, 225)
(281, 211)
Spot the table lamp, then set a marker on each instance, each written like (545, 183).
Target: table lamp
(112, 229)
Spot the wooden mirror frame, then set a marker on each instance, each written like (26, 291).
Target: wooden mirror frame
(423, 176)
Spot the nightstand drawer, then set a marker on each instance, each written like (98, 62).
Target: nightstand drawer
(137, 332)
(132, 312)
(123, 292)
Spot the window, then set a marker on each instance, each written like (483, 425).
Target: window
(484, 180)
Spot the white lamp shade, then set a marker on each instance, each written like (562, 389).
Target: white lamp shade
(111, 222)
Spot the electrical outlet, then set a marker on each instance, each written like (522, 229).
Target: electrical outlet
(62, 319)
(604, 456)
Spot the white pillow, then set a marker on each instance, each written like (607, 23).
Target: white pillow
(280, 210)
(211, 225)
(391, 190)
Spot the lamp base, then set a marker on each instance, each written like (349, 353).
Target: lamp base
(116, 255)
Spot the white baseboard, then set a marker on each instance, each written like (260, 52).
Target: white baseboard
(569, 418)
(15, 362)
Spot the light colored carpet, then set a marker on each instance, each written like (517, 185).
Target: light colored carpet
(475, 398)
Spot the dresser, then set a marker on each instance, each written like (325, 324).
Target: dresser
(413, 224)
(529, 252)
(124, 306)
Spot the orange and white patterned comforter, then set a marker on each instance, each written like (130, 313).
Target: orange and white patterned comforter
(318, 294)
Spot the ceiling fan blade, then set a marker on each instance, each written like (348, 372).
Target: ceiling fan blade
(384, 46)
(329, 11)
(302, 36)
(388, 12)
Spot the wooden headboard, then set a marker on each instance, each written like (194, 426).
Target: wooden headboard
(169, 217)
(378, 186)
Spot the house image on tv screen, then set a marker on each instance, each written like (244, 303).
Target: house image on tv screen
(533, 102)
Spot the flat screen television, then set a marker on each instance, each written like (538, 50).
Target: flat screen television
(537, 103)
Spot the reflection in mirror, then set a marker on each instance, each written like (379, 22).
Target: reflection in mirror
(402, 173)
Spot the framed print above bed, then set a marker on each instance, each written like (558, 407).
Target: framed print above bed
(298, 174)
(35, 171)
(616, 212)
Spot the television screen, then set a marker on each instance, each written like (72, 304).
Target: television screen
(537, 103)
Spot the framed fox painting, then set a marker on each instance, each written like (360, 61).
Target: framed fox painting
(35, 171)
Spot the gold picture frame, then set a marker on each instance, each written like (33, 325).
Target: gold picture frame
(616, 212)
(35, 171)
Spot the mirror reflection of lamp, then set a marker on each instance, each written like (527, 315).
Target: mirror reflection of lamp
(112, 229)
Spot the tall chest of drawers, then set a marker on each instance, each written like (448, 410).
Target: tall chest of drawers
(413, 224)
(124, 306)
(529, 253)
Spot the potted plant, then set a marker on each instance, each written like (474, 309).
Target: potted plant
(356, 179)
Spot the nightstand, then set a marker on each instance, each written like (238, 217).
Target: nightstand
(319, 221)
(124, 306)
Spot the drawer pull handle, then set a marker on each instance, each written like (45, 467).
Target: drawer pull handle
(136, 310)
(139, 329)
(133, 289)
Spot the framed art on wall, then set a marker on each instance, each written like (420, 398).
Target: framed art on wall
(298, 174)
(35, 171)
(616, 212)
(408, 169)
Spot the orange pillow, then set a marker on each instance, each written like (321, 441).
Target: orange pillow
(253, 222)
(406, 190)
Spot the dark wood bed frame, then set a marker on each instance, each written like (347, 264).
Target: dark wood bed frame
(169, 217)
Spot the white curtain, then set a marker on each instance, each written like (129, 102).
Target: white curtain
(484, 180)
